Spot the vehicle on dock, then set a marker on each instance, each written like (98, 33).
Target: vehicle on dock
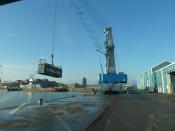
(61, 89)
(14, 89)
(113, 89)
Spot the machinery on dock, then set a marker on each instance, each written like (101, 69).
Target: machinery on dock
(111, 82)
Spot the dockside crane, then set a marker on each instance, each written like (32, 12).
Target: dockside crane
(109, 80)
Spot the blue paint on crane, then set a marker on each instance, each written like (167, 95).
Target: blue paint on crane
(113, 78)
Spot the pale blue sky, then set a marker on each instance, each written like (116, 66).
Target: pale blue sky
(143, 31)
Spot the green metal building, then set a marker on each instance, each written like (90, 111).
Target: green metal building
(160, 78)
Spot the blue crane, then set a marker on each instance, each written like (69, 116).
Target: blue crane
(110, 81)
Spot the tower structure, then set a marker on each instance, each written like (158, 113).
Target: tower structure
(109, 47)
(111, 76)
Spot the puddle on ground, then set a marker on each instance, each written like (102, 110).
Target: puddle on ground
(16, 124)
(69, 109)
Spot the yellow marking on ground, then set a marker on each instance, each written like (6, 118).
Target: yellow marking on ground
(71, 109)
(16, 124)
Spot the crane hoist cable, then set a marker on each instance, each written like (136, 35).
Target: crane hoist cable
(101, 66)
(45, 68)
(100, 22)
(91, 33)
(54, 30)
(94, 15)
(85, 23)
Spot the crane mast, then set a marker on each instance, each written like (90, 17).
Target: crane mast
(111, 81)
(109, 46)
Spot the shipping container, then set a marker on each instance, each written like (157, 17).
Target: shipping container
(49, 70)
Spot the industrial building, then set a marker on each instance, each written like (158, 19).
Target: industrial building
(159, 78)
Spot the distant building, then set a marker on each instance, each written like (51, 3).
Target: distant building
(76, 85)
(84, 82)
(31, 83)
(134, 83)
(159, 78)
(44, 83)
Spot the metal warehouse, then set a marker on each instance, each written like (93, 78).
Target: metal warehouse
(160, 78)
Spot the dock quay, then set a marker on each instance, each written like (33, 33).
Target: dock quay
(136, 110)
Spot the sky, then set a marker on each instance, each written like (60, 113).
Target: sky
(143, 32)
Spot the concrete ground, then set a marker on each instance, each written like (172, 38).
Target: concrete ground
(74, 113)
(137, 111)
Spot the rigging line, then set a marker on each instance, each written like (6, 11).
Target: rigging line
(118, 67)
(95, 16)
(90, 31)
(54, 26)
(101, 65)
(85, 22)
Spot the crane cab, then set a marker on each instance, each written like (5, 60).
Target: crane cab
(47, 69)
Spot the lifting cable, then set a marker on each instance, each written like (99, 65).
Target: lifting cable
(85, 23)
(91, 33)
(95, 16)
(101, 66)
(101, 23)
(54, 30)
(118, 61)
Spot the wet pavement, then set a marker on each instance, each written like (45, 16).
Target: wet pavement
(21, 111)
(138, 111)
(135, 111)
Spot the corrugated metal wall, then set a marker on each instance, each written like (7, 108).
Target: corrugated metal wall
(160, 81)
